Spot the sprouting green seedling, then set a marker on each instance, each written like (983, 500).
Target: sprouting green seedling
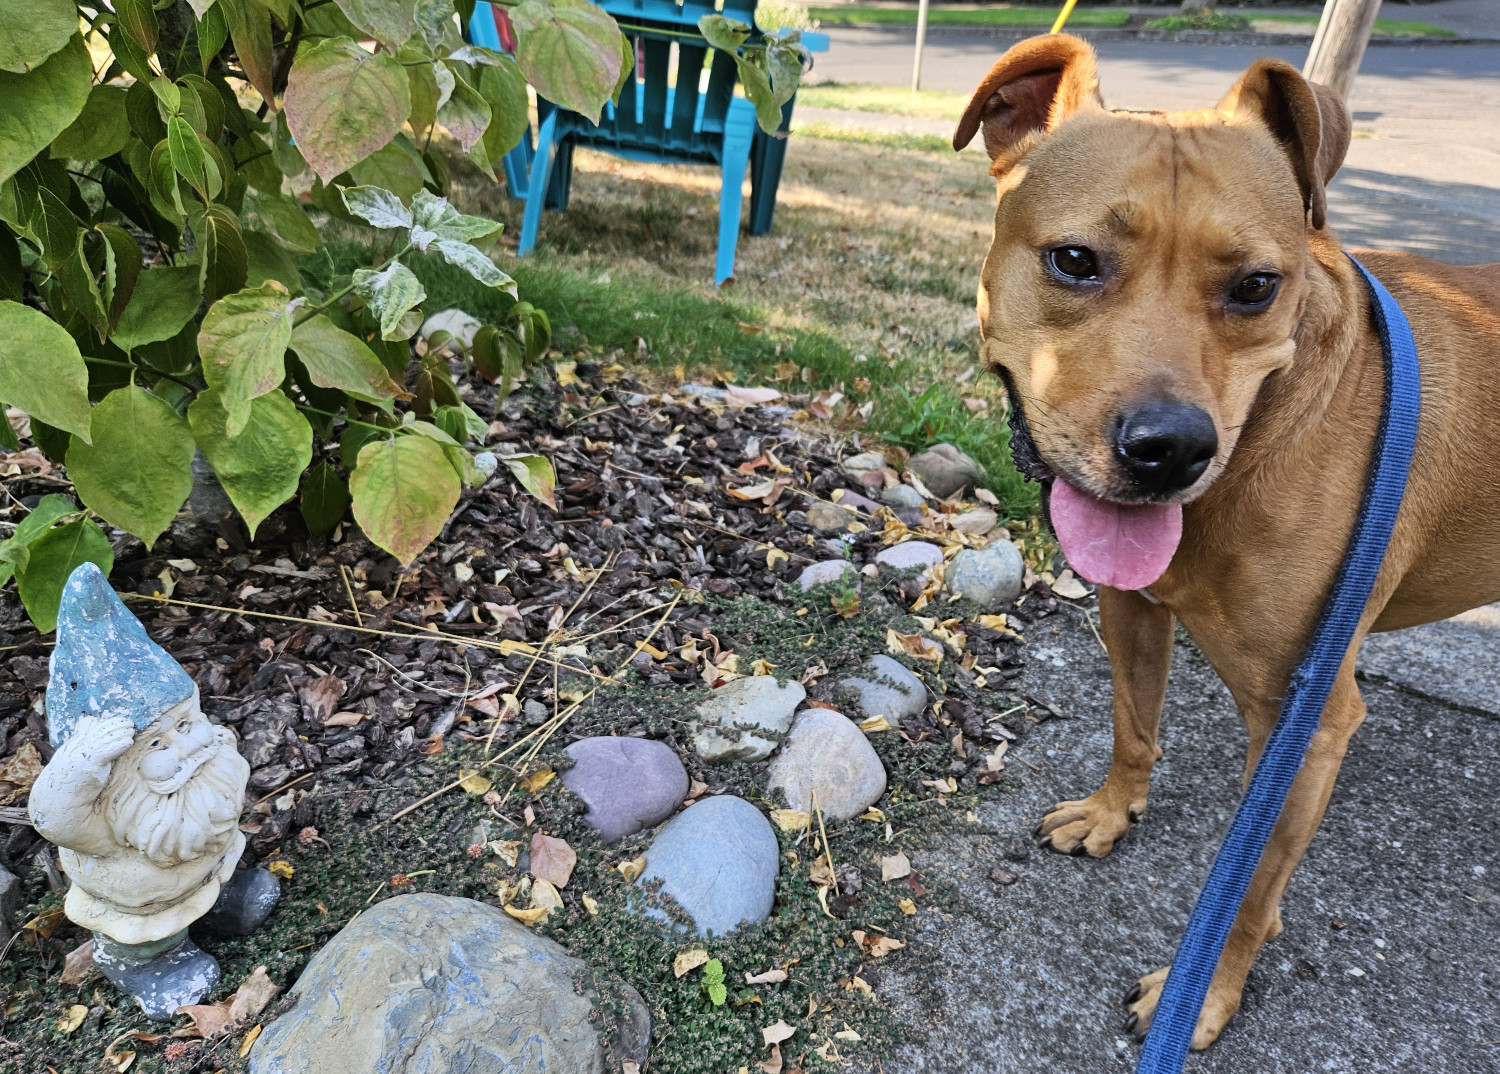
(846, 601)
(713, 982)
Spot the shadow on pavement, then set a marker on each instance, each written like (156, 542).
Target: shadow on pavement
(1454, 222)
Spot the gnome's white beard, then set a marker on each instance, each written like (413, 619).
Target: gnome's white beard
(183, 824)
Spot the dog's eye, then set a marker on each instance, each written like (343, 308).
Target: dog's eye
(1074, 262)
(1256, 289)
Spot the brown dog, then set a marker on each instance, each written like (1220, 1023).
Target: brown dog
(1195, 377)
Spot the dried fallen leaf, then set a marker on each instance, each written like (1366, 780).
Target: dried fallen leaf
(1069, 587)
(347, 718)
(535, 781)
(847, 1034)
(737, 396)
(471, 781)
(773, 1064)
(769, 977)
(877, 946)
(629, 1066)
(775, 1034)
(790, 820)
(775, 556)
(976, 523)
(212, 1020)
(281, 869)
(874, 725)
(913, 645)
(545, 896)
(73, 1019)
(249, 1041)
(688, 960)
(591, 904)
(507, 849)
(44, 922)
(79, 964)
(907, 907)
(631, 869)
(20, 772)
(319, 697)
(894, 866)
(552, 859)
(526, 917)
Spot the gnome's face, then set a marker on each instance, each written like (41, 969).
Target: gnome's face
(171, 750)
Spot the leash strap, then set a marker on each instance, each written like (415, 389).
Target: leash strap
(1171, 1032)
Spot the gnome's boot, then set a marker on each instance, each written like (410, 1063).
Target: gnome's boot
(245, 901)
(161, 976)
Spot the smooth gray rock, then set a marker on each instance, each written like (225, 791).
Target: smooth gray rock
(757, 701)
(863, 463)
(159, 977)
(627, 783)
(912, 555)
(944, 469)
(460, 325)
(829, 517)
(427, 984)
(243, 904)
(830, 570)
(828, 756)
(888, 689)
(990, 576)
(902, 496)
(718, 859)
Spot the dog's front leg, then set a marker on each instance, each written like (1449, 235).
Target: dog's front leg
(1259, 918)
(1138, 635)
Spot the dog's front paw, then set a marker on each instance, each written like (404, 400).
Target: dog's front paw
(1218, 1008)
(1090, 826)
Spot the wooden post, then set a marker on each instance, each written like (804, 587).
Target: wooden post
(916, 67)
(1339, 44)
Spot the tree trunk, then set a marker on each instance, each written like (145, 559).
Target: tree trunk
(1339, 45)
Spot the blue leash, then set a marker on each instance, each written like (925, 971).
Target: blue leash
(1187, 984)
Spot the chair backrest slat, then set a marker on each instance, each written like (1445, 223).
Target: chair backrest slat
(658, 52)
(686, 96)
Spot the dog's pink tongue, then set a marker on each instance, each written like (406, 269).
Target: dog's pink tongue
(1125, 546)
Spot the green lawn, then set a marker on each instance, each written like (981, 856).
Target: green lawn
(864, 97)
(947, 16)
(1383, 27)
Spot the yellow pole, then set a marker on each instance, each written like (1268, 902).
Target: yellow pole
(1062, 16)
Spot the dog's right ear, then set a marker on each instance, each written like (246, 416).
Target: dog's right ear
(1031, 89)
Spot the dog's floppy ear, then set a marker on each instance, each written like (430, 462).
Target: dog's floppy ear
(1310, 121)
(1033, 87)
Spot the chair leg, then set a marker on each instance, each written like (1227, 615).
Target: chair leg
(739, 132)
(767, 157)
(516, 164)
(562, 179)
(537, 183)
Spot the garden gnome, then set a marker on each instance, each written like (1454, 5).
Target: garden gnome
(143, 796)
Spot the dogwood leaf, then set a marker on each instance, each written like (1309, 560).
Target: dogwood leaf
(403, 491)
(389, 294)
(343, 103)
(52, 557)
(43, 103)
(41, 371)
(378, 207)
(260, 467)
(243, 341)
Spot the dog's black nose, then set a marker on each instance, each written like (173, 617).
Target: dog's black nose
(1165, 446)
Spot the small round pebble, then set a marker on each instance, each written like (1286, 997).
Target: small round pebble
(990, 576)
(902, 496)
(829, 517)
(887, 689)
(917, 555)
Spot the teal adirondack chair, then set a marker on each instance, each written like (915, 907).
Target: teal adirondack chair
(658, 122)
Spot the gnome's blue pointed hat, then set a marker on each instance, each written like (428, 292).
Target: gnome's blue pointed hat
(104, 664)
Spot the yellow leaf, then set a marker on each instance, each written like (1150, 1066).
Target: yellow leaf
(872, 814)
(566, 373)
(527, 917)
(545, 896)
(510, 648)
(249, 1041)
(535, 781)
(859, 984)
(280, 869)
(471, 781)
(572, 693)
(762, 667)
(877, 946)
(73, 1019)
(591, 904)
(775, 556)
(124, 1060)
(656, 654)
(790, 820)
(875, 724)
(913, 645)
(993, 622)
(847, 1034)
(688, 960)
(507, 849)
(907, 907)
(631, 869)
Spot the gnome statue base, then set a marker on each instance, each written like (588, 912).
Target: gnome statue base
(143, 796)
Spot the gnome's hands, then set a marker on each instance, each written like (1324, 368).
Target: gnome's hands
(97, 741)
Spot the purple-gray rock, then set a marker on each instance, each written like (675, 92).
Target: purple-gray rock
(828, 757)
(853, 499)
(424, 983)
(944, 469)
(243, 905)
(912, 555)
(888, 689)
(627, 783)
(829, 570)
(718, 859)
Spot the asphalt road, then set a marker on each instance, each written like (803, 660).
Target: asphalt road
(1407, 862)
(1423, 171)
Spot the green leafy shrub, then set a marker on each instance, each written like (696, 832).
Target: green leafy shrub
(155, 295)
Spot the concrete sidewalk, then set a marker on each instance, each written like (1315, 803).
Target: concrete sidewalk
(1422, 173)
(1389, 962)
